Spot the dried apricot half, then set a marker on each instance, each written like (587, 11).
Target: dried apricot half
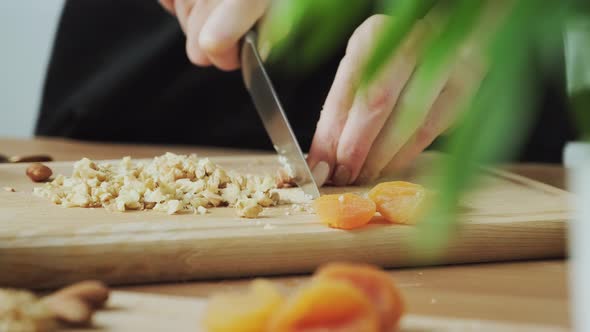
(345, 211)
(243, 312)
(398, 201)
(326, 305)
(375, 283)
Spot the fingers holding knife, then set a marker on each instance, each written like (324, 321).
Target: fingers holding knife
(214, 28)
(353, 116)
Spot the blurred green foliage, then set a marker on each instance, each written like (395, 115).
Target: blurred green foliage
(577, 55)
(305, 32)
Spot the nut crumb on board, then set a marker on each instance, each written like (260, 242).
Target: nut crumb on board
(302, 207)
(297, 208)
(284, 180)
(9, 189)
(201, 210)
(169, 183)
(286, 166)
(248, 208)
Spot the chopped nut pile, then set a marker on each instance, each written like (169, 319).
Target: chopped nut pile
(170, 183)
(21, 311)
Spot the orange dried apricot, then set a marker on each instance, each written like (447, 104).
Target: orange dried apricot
(398, 201)
(243, 312)
(326, 305)
(346, 211)
(375, 283)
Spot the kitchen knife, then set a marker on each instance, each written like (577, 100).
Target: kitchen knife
(273, 117)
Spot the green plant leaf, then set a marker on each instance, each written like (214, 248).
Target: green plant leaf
(304, 32)
(406, 13)
(577, 61)
(491, 129)
(433, 72)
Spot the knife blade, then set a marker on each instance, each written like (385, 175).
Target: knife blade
(273, 116)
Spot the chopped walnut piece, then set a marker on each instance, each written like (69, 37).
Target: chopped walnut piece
(297, 208)
(284, 180)
(248, 208)
(201, 210)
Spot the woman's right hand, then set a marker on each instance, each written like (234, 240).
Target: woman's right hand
(213, 28)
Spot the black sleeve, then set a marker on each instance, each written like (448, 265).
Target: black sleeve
(119, 73)
(551, 125)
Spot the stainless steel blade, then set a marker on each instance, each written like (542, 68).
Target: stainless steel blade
(273, 117)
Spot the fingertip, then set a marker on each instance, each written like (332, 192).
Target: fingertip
(213, 41)
(322, 156)
(365, 176)
(342, 176)
(195, 55)
(320, 172)
(221, 51)
(352, 153)
(229, 67)
(209, 42)
(168, 5)
(397, 165)
(227, 61)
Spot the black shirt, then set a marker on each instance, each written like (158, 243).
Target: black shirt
(119, 73)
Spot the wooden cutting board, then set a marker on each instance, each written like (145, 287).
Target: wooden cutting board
(145, 312)
(43, 245)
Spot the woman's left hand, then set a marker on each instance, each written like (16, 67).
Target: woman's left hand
(356, 140)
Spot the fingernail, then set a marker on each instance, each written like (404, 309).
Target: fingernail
(366, 177)
(363, 178)
(341, 176)
(320, 172)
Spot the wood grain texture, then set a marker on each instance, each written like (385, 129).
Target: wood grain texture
(64, 149)
(42, 245)
(141, 312)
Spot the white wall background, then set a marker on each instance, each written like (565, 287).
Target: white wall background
(27, 28)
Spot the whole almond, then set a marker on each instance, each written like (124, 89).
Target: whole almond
(70, 310)
(92, 292)
(39, 172)
(76, 304)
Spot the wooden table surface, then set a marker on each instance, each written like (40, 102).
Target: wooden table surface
(525, 292)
